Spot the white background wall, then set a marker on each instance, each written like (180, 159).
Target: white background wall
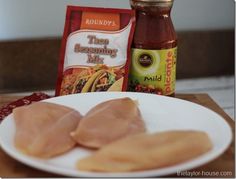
(45, 18)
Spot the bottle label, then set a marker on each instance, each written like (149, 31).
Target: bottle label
(153, 71)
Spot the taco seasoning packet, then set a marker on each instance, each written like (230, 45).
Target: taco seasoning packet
(95, 54)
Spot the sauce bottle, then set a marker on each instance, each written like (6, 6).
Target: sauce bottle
(154, 52)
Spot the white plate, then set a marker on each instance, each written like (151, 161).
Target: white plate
(160, 114)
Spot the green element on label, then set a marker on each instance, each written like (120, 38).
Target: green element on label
(153, 71)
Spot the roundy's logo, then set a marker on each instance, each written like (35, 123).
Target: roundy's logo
(145, 60)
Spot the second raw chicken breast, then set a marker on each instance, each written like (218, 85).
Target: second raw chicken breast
(108, 122)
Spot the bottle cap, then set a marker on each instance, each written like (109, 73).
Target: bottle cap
(151, 2)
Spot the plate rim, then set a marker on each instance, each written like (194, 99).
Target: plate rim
(148, 173)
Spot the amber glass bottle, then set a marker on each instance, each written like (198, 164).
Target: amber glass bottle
(153, 67)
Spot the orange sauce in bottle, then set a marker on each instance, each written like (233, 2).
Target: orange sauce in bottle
(154, 52)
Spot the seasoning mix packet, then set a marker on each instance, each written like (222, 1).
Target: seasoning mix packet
(95, 54)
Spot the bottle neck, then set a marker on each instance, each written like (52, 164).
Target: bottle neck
(154, 28)
(153, 10)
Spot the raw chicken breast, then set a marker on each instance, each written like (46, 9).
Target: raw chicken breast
(147, 151)
(109, 121)
(43, 129)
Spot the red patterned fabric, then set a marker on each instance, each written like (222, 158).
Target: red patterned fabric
(7, 109)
